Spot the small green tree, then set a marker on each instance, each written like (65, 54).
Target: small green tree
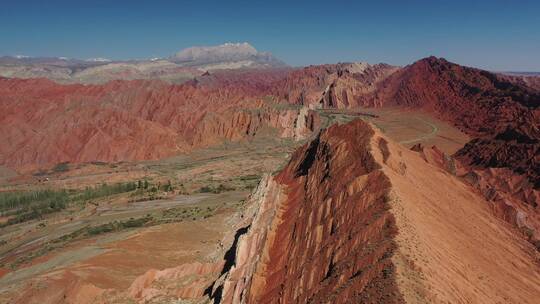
(146, 184)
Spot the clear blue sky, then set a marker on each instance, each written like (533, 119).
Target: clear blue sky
(496, 34)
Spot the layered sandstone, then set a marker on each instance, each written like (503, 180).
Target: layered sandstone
(323, 231)
(44, 123)
(500, 112)
(354, 217)
(502, 115)
(345, 85)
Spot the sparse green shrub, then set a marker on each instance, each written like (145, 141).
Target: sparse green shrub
(223, 188)
(106, 190)
(167, 187)
(206, 189)
(41, 172)
(61, 167)
(101, 229)
(132, 223)
(220, 188)
(28, 205)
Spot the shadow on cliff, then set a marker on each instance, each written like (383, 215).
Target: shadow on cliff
(230, 260)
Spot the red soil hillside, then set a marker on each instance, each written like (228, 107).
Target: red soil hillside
(503, 160)
(44, 123)
(355, 218)
(503, 115)
(501, 111)
(479, 102)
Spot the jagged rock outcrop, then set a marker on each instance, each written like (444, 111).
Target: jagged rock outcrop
(503, 116)
(237, 124)
(499, 111)
(344, 85)
(308, 242)
(44, 123)
(516, 148)
(476, 101)
(355, 218)
(187, 281)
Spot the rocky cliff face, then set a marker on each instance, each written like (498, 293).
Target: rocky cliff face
(355, 218)
(44, 123)
(345, 85)
(503, 115)
(500, 112)
(322, 231)
(479, 102)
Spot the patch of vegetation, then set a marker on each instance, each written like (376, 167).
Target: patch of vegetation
(249, 182)
(23, 206)
(166, 187)
(61, 167)
(220, 188)
(186, 213)
(116, 226)
(146, 191)
(250, 177)
(206, 189)
(104, 190)
(81, 234)
(41, 173)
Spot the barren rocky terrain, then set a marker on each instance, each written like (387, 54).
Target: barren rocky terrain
(339, 183)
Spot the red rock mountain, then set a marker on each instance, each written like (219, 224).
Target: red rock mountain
(355, 218)
(502, 115)
(345, 85)
(44, 123)
(128, 120)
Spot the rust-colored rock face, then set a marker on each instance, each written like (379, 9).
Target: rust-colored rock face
(356, 218)
(344, 85)
(334, 211)
(503, 115)
(323, 232)
(513, 148)
(479, 102)
(133, 120)
(44, 123)
(500, 112)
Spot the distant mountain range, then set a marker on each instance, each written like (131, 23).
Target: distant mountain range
(178, 68)
(233, 54)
